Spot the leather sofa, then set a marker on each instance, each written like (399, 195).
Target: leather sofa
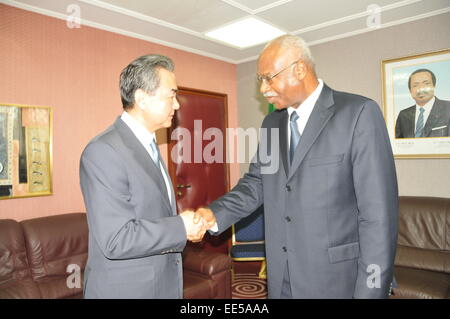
(36, 257)
(422, 263)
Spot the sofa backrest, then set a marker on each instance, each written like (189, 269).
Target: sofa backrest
(13, 254)
(15, 277)
(53, 243)
(424, 233)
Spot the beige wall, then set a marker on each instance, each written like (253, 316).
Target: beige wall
(354, 65)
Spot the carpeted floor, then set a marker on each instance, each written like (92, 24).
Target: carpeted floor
(248, 286)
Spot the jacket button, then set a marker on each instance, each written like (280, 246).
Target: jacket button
(288, 219)
(288, 187)
(284, 249)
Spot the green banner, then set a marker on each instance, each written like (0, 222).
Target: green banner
(271, 108)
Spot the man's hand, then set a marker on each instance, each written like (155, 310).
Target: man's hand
(207, 215)
(195, 230)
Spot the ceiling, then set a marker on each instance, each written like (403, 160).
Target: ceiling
(181, 24)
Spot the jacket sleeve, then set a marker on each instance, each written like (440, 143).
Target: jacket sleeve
(376, 191)
(242, 200)
(111, 215)
(398, 127)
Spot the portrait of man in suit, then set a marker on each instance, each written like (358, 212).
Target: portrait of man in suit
(330, 210)
(135, 235)
(430, 116)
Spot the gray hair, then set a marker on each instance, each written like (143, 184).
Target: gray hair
(142, 73)
(298, 44)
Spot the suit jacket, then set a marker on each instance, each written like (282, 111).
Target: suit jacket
(135, 235)
(332, 214)
(437, 125)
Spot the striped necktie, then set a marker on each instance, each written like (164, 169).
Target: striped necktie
(419, 125)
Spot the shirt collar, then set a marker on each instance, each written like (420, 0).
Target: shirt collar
(306, 107)
(142, 134)
(427, 105)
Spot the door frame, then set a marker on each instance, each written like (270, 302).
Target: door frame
(170, 144)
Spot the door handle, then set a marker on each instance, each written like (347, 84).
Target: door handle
(180, 187)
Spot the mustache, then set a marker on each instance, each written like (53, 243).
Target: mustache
(425, 90)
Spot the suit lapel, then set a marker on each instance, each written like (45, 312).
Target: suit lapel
(319, 117)
(283, 140)
(433, 118)
(142, 157)
(411, 121)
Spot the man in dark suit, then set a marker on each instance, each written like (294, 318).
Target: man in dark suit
(331, 207)
(430, 117)
(135, 235)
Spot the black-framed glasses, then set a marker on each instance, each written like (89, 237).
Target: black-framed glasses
(269, 78)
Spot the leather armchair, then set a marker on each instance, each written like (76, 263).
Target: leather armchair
(35, 254)
(206, 273)
(422, 263)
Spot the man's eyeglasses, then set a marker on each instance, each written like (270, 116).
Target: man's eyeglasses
(269, 78)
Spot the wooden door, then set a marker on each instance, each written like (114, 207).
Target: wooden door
(197, 180)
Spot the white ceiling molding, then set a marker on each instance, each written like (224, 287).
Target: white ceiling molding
(382, 26)
(251, 11)
(143, 17)
(271, 6)
(365, 30)
(140, 16)
(233, 3)
(141, 26)
(146, 18)
(354, 16)
(115, 30)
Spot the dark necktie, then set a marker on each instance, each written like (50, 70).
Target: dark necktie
(295, 135)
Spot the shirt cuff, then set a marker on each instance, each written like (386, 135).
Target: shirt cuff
(215, 228)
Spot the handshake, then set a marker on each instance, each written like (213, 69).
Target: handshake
(197, 223)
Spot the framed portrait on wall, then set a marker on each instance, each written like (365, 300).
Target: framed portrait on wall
(25, 151)
(416, 102)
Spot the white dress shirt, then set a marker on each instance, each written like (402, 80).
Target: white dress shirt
(304, 111)
(427, 107)
(145, 137)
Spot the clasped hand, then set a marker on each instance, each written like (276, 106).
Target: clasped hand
(197, 223)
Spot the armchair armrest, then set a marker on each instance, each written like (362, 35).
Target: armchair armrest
(205, 262)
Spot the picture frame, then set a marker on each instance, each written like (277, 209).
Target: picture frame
(26, 134)
(413, 85)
